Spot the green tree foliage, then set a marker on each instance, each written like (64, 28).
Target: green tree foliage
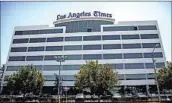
(26, 80)
(165, 76)
(97, 77)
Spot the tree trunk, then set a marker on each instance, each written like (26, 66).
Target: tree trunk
(98, 98)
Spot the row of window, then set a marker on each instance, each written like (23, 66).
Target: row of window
(129, 28)
(87, 38)
(89, 56)
(43, 31)
(77, 67)
(86, 47)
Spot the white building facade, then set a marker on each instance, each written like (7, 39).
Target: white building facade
(127, 46)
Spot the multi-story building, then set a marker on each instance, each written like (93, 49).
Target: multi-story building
(127, 46)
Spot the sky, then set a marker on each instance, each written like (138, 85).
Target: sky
(44, 13)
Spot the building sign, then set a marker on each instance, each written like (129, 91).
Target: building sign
(84, 14)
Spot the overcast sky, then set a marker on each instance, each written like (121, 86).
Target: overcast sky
(44, 13)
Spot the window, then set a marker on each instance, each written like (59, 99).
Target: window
(135, 76)
(36, 40)
(154, 55)
(117, 66)
(13, 68)
(112, 56)
(91, 38)
(151, 76)
(55, 39)
(151, 45)
(147, 27)
(50, 77)
(159, 65)
(30, 49)
(120, 28)
(20, 41)
(134, 66)
(38, 67)
(34, 58)
(50, 57)
(111, 46)
(121, 76)
(75, 38)
(51, 67)
(6, 78)
(149, 65)
(132, 55)
(111, 37)
(16, 58)
(18, 49)
(73, 47)
(73, 57)
(68, 77)
(130, 37)
(71, 67)
(89, 30)
(18, 32)
(131, 46)
(149, 36)
(92, 56)
(91, 47)
(54, 48)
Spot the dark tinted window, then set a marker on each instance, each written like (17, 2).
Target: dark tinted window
(73, 57)
(76, 38)
(112, 56)
(17, 58)
(51, 67)
(54, 48)
(12, 68)
(18, 33)
(92, 56)
(90, 38)
(120, 28)
(149, 65)
(147, 27)
(151, 76)
(91, 47)
(134, 66)
(111, 37)
(36, 40)
(135, 76)
(154, 55)
(50, 57)
(117, 66)
(132, 55)
(35, 49)
(112, 46)
(159, 65)
(151, 45)
(149, 36)
(73, 47)
(71, 67)
(131, 46)
(55, 39)
(130, 36)
(20, 41)
(34, 58)
(18, 49)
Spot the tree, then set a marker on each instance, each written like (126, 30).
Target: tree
(165, 76)
(97, 77)
(26, 80)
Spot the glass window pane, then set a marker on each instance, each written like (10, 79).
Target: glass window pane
(73, 57)
(16, 58)
(134, 66)
(151, 45)
(117, 66)
(112, 56)
(51, 67)
(92, 56)
(34, 58)
(132, 55)
(73, 47)
(55, 39)
(18, 49)
(131, 46)
(50, 57)
(13, 68)
(149, 36)
(135, 76)
(36, 40)
(154, 55)
(68, 77)
(18, 32)
(120, 28)
(111, 37)
(130, 37)
(149, 65)
(91, 47)
(159, 65)
(151, 76)
(71, 67)
(20, 41)
(76, 38)
(90, 38)
(147, 27)
(120, 76)
(50, 77)
(111, 46)
(54, 48)
(30, 49)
